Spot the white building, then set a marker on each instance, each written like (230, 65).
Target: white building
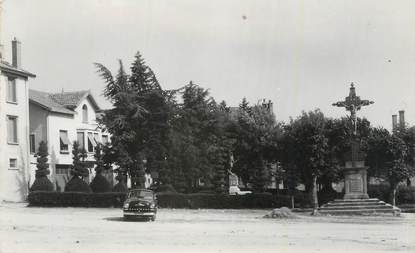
(14, 127)
(60, 119)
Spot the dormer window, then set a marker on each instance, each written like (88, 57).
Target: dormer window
(84, 114)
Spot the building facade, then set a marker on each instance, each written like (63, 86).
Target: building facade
(14, 127)
(59, 119)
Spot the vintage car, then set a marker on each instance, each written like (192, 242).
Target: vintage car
(140, 203)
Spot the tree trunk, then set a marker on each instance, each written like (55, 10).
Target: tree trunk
(394, 187)
(314, 196)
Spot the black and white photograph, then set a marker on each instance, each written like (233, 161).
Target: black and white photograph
(209, 126)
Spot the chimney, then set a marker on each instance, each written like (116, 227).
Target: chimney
(394, 121)
(402, 118)
(16, 53)
(1, 44)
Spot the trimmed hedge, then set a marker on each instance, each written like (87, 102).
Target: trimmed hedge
(405, 195)
(165, 200)
(76, 199)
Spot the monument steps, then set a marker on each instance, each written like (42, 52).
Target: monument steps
(355, 204)
(358, 206)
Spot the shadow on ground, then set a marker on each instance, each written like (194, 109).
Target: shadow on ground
(124, 220)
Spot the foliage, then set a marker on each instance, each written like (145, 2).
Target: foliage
(201, 144)
(306, 150)
(121, 186)
(76, 199)
(42, 182)
(256, 136)
(138, 121)
(79, 171)
(99, 183)
(76, 184)
(216, 201)
(390, 156)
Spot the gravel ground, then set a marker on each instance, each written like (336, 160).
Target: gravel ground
(24, 229)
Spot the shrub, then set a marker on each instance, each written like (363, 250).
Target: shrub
(380, 191)
(166, 200)
(216, 201)
(405, 195)
(78, 171)
(121, 186)
(100, 184)
(76, 199)
(167, 188)
(77, 185)
(42, 182)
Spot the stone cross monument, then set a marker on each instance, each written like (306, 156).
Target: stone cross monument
(355, 171)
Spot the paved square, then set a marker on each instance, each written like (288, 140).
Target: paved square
(175, 230)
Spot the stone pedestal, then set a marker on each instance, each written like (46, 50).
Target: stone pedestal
(355, 180)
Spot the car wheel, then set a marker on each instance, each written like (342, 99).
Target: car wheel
(153, 218)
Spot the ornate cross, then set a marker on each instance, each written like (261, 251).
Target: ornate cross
(353, 104)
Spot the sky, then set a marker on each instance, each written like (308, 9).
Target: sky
(302, 55)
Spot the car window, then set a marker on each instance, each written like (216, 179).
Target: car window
(140, 194)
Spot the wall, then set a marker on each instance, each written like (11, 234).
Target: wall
(15, 182)
(3, 143)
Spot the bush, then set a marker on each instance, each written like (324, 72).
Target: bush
(100, 184)
(121, 186)
(75, 199)
(215, 201)
(42, 184)
(165, 200)
(405, 195)
(380, 191)
(77, 185)
(168, 188)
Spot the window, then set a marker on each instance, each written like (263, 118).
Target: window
(11, 90)
(12, 129)
(91, 143)
(32, 144)
(81, 140)
(84, 114)
(96, 138)
(63, 169)
(64, 141)
(104, 139)
(13, 163)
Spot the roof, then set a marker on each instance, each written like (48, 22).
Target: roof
(73, 99)
(64, 102)
(8, 68)
(44, 100)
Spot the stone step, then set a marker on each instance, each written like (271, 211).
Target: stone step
(360, 211)
(357, 207)
(355, 200)
(356, 204)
